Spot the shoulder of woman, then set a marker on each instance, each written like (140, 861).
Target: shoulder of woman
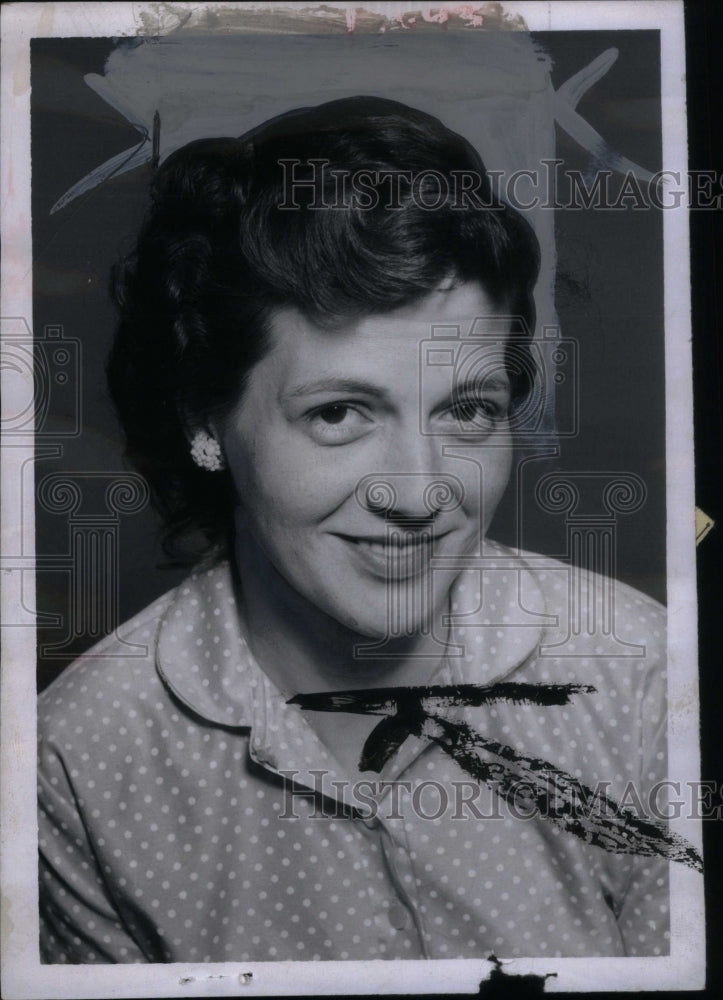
(112, 676)
(590, 613)
(549, 572)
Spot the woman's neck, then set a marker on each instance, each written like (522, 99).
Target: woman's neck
(303, 650)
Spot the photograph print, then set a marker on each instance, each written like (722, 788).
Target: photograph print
(349, 575)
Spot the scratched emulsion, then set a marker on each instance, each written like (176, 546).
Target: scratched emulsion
(519, 779)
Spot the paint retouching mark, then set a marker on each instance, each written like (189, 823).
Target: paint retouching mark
(504, 984)
(521, 780)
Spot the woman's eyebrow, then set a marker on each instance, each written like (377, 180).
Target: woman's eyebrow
(335, 383)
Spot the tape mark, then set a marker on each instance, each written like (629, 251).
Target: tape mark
(703, 525)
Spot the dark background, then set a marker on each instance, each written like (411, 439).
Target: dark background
(609, 298)
(704, 59)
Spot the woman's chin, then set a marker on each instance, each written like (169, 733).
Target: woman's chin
(376, 630)
(377, 619)
(368, 628)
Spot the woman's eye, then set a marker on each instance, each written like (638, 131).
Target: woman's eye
(333, 414)
(472, 410)
(475, 413)
(337, 423)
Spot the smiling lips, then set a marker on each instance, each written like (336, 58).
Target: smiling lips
(399, 555)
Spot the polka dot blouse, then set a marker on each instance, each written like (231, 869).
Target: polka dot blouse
(188, 813)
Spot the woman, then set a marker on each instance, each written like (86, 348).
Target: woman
(320, 360)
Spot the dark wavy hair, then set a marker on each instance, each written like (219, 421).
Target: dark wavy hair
(222, 247)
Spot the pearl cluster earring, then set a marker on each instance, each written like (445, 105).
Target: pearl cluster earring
(206, 452)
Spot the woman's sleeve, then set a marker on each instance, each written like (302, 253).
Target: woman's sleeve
(79, 920)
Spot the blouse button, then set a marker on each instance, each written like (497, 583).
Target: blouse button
(398, 917)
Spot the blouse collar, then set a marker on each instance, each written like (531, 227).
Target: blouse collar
(497, 618)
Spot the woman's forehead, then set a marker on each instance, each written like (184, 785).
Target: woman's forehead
(417, 356)
(461, 320)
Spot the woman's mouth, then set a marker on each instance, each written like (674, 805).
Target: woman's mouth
(399, 555)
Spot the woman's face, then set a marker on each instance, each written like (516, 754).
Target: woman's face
(386, 400)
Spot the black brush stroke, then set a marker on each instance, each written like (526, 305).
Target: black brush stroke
(558, 796)
(386, 701)
(555, 795)
(386, 738)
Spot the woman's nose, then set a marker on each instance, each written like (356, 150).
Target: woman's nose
(410, 483)
(399, 496)
(417, 485)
